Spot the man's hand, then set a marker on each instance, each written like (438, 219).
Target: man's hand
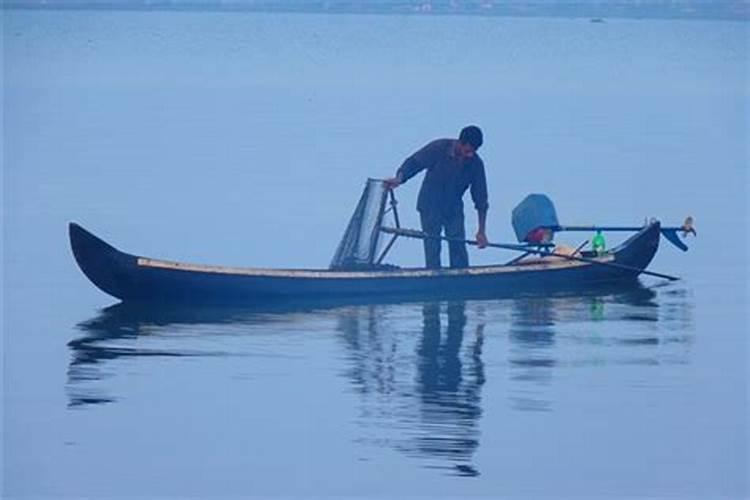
(481, 240)
(392, 183)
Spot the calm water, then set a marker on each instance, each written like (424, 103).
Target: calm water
(245, 139)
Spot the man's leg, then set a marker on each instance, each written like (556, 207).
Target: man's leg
(431, 225)
(454, 229)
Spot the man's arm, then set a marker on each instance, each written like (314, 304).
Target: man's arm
(414, 164)
(481, 234)
(479, 196)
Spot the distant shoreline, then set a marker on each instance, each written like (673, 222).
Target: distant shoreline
(622, 9)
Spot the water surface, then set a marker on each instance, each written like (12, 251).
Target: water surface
(245, 139)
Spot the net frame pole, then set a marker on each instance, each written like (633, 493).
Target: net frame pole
(394, 237)
(378, 225)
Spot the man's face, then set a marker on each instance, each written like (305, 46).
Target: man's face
(464, 151)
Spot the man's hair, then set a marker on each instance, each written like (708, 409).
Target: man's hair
(471, 135)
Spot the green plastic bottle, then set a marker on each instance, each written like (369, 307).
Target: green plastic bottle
(598, 244)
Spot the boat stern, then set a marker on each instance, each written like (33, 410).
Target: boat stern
(108, 268)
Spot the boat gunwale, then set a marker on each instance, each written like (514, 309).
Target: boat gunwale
(145, 262)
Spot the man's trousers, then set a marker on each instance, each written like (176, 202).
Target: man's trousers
(433, 225)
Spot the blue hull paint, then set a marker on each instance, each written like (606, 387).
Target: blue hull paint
(122, 276)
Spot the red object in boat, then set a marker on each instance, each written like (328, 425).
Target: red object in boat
(539, 235)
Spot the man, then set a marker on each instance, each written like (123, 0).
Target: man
(452, 167)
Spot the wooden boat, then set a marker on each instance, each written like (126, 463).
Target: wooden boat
(134, 278)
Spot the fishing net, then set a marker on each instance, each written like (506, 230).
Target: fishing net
(360, 244)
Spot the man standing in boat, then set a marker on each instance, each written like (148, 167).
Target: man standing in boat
(453, 166)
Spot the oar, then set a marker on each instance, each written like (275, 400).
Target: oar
(604, 228)
(670, 233)
(412, 233)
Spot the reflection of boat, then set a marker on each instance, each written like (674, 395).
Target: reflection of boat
(429, 379)
(133, 278)
(418, 369)
(632, 326)
(114, 332)
(127, 319)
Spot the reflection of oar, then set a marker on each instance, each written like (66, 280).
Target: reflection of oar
(412, 233)
(670, 233)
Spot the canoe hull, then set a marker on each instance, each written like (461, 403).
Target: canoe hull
(140, 279)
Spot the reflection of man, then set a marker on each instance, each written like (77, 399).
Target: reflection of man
(439, 408)
(440, 365)
(450, 393)
(452, 167)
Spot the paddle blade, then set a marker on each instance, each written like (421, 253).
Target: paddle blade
(672, 236)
